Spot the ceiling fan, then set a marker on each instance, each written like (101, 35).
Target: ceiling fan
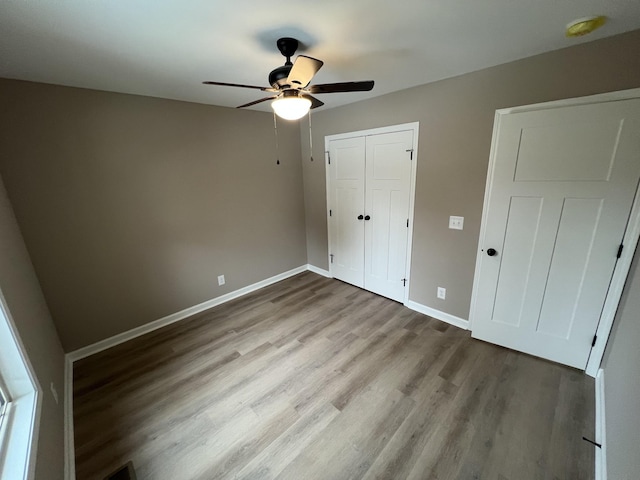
(290, 84)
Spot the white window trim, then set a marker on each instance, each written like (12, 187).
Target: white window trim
(5, 400)
(19, 429)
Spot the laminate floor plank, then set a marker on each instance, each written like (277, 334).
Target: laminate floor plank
(451, 440)
(397, 459)
(312, 378)
(350, 443)
(269, 463)
(575, 402)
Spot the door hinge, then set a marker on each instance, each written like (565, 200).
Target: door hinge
(331, 256)
(620, 251)
(407, 223)
(410, 150)
(330, 212)
(328, 157)
(404, 282)
(593, 342)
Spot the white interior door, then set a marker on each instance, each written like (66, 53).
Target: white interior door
(387, 190)
(563, 184)
(346, 174)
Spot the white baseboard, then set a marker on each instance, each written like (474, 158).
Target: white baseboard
(438, 315)
(601, 430)
(176, 317)
(69, 444)
(319, 271)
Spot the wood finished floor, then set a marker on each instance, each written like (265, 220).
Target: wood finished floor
(312, 378)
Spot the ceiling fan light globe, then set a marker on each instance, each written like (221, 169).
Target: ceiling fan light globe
(291, 108)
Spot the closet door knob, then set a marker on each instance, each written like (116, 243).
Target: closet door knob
(367, 217)
(360, 217)
(491, 252)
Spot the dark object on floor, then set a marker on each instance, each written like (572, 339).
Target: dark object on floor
(125, 472)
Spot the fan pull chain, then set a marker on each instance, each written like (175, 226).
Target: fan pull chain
(310, 138)
(275, 129)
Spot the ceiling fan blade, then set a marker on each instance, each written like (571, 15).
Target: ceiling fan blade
(264, 89)
(364, 86)
(255, 102)
(303, 71)
(315, 103)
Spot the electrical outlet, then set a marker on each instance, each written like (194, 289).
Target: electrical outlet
(456, 223)
(54, 392)
(442, 293)
(221, 280)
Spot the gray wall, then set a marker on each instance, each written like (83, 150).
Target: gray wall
(28, 309)
(622, 383)
(456, 121)
(132, 206)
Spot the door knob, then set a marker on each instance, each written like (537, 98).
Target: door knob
(360, 217)
(491, 252)
(367, 217)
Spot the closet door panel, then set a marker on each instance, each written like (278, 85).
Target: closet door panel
(346, 172)
(387, 190)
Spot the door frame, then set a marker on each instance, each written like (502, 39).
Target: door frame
(630, 238)
(415, 126)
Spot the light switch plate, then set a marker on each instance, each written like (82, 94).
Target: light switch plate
(456, 223)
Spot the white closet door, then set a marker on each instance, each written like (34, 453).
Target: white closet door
(563, 184)
(387, 181)
(347, 204)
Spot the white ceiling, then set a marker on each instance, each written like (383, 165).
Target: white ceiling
(164, 48)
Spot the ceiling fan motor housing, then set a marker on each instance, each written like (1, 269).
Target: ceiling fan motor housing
(278, 77)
